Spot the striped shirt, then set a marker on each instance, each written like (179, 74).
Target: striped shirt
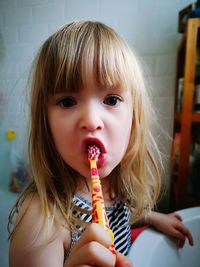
(118, 216)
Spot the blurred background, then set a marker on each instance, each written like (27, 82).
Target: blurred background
(150, 28)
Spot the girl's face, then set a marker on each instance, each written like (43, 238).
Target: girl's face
(92, 115)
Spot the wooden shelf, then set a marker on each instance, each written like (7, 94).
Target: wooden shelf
(184, 121)
(194, 117)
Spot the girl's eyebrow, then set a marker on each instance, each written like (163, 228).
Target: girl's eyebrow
(116, 89)
(66, 92)
(59, 94)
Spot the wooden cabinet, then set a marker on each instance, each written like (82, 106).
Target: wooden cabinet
(185, 117)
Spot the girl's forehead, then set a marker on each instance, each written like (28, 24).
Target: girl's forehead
(90, 81)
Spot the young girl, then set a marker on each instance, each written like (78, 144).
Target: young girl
(87, 89)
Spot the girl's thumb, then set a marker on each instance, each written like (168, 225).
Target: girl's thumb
(122, 261)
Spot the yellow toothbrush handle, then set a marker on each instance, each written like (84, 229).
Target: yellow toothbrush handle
(98, 208)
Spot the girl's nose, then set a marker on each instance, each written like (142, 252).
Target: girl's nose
(91, 118)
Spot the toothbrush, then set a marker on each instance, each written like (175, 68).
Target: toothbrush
(98, 208)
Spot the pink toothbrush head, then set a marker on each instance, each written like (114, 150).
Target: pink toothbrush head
(93, 152)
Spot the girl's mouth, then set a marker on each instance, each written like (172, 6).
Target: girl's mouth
(94, 142)
(89, 142)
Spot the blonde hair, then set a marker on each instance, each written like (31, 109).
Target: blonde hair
(60, 64)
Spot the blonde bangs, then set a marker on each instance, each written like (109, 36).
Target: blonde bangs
(75, 53)
(103, 58)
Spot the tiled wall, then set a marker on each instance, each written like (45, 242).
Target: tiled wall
(150, 27)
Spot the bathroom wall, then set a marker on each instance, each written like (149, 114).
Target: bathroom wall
(150, 27)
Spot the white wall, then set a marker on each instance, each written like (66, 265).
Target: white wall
(149, 26)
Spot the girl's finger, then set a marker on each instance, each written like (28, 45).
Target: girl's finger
(96, 233)
(122, 261)
(180, 237)
(181, 243)
(178, 216)
(92, 254)
(185, 231)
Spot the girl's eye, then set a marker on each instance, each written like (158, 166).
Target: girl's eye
(112, 100)
(67, 102)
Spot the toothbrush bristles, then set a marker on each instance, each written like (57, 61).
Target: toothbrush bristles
(93, 152)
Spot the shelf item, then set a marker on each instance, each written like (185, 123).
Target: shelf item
(180, 94)
(176, 153)
(197, 93)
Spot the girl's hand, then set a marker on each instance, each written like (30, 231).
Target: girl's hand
(171, 224)
(92, 250)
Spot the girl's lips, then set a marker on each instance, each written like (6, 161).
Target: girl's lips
(101, 160)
